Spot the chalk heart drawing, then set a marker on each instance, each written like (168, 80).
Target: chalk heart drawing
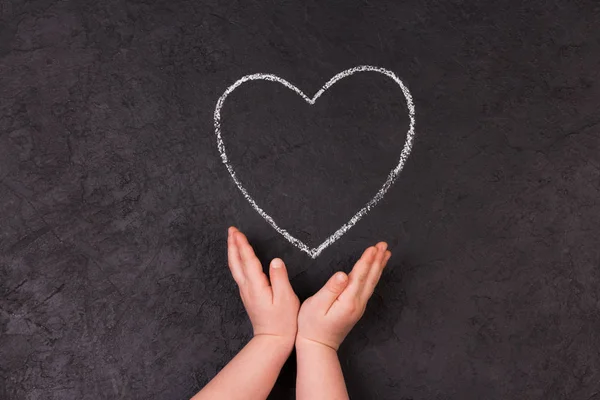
(314, 252)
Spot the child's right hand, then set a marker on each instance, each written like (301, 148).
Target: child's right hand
(328, 316)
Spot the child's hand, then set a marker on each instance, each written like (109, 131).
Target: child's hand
(272, 308)
(329, 315)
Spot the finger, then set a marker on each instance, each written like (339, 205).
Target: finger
(381, 247)
(330, 292)
(250, 263)
(280, 282)
(376, 264)
(359, 273)
(375, 274)
(233, 257)
(388, 254)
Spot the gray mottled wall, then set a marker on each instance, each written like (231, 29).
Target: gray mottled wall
(114, 203)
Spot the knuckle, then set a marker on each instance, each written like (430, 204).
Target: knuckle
(350, 307)
(332, 288)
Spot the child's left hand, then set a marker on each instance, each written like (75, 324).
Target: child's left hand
(272, 308)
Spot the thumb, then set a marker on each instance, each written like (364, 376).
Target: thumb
(280, 281)
(330, 292)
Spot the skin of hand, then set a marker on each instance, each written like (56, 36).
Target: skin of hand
(324, 321)
(272, 307)
(329, 315)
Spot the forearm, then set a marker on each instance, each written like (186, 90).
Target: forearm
(319, 373)
(252, 373)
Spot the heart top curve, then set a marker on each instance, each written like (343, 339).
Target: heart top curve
(314, 252)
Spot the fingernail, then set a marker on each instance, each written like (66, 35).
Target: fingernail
(276, 263)
(341, 277)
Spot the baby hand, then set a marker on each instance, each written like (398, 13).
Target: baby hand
(329, 315)
(272, 307)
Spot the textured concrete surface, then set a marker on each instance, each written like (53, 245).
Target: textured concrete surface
(114, 203)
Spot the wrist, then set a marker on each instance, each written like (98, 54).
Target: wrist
(303, 343)
(283, 343)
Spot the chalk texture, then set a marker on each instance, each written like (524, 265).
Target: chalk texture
(391, 176)
(115, 203)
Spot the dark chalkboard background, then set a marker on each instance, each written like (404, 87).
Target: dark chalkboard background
(114, 201)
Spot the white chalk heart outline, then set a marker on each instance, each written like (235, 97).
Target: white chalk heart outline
(314, 252)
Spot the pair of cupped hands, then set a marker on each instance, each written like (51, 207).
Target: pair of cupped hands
(324, 319)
